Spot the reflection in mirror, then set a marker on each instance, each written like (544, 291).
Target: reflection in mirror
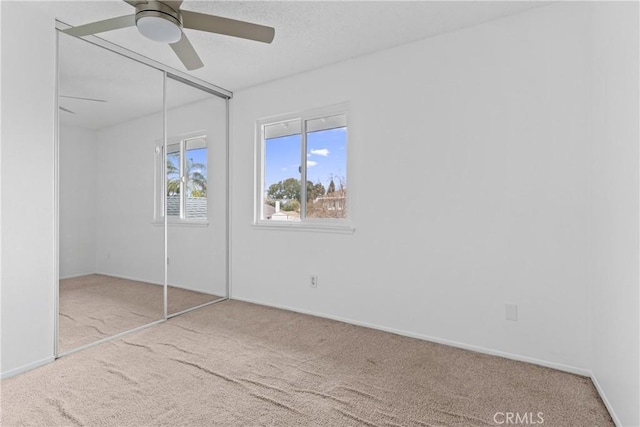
(195, 196)
(111, 253)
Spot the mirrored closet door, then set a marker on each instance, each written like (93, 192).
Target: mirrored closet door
(195, 172)
(110, 251)
(142, 192)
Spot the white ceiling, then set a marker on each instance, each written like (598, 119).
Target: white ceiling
(309, 34)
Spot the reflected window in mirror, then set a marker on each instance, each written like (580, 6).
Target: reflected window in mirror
(184, 171)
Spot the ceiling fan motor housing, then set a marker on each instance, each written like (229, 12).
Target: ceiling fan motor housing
(159, 22)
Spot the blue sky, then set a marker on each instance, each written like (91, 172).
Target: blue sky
(326, 155)
(198, 155)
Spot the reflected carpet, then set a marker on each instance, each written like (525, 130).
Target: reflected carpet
(96, 306)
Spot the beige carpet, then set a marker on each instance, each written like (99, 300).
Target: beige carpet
(239, 364)
(95, 306)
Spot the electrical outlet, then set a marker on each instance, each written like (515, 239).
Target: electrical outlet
(313, 281)
(511, 312)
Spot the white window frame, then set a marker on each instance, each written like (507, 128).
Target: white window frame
(160, 181)
(336, 225)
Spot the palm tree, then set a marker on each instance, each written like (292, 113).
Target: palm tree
(197, 183)
(173, 174)
(196, 177)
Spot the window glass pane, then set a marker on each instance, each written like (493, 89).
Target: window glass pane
(282, 173)
(196, 173)
(327, 167)
(173, 180)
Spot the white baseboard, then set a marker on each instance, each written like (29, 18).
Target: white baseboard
(607, 404)
(565, 368)
(561, 367)
(25, 368)
(73, 276)
(135, 279)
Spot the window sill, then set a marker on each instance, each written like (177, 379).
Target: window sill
(306, 227)
(181, 222)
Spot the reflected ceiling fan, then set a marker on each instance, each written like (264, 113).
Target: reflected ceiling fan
(163, 21)
(66, 110)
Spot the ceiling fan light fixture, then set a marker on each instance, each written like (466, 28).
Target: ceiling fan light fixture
(159, 28)
(163, 20)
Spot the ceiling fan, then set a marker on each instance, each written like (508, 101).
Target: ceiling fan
(66, 110)
(163, 21)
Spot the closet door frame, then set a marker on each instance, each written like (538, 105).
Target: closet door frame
(219, 187)
(168, 73)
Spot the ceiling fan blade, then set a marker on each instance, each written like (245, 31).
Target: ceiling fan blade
(102, 26)
(134, 3)
(82, 98)
(65, 110)
(187, 53)
(226, 26)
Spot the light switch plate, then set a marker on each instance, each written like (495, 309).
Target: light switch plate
(511, 312)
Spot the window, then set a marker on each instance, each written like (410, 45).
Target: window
(184, 172)
(308, 148)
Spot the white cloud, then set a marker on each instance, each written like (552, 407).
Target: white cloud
(283, 169)
(321, 152)
(311, 163)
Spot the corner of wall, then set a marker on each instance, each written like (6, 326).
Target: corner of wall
(614, 207)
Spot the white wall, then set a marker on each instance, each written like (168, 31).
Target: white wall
(614, 189)
(129, 244)
(28, 270)
(475, 141)
(78, 188)
(510, 155)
